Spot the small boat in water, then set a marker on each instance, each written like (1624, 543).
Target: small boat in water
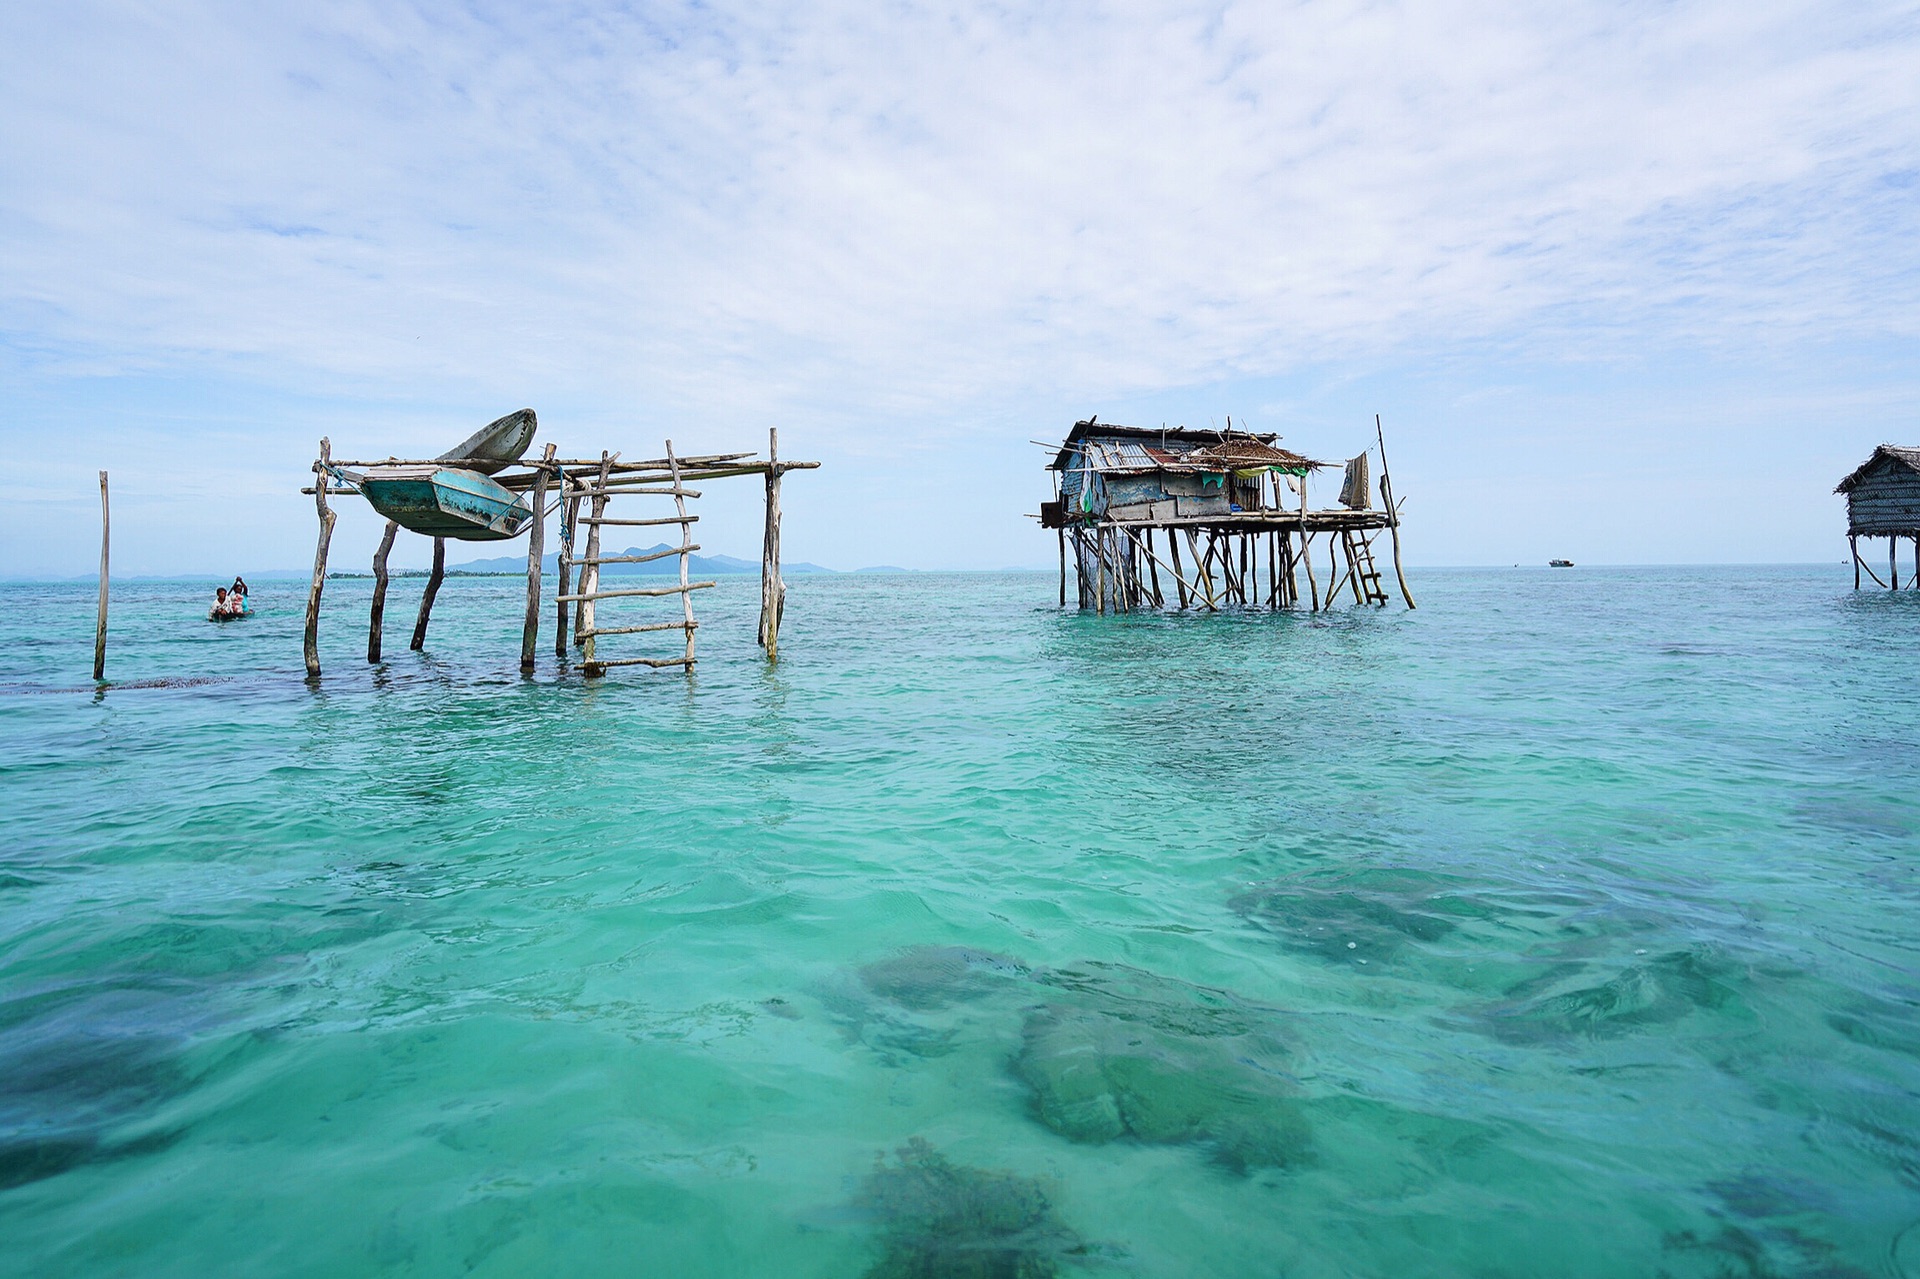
(495, 446)
(444, 501)
(1559, 563)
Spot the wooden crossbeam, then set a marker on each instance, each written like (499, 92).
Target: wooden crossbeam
(665, 519)
(639, 559)
(592, 668)
(652, 590)
(650, 626)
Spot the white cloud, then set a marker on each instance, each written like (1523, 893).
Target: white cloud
(882, 220)
(899, 207)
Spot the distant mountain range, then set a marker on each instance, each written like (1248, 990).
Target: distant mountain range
(699, 565)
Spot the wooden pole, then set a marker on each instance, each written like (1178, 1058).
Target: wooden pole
(569, 513)
(536, 551)
(1179, 570)
(434, 579)
(1202, 578)
(312, 644)
(1853, 549)
(773, 591)
(1893, 562)
(1153, 571)
(1273, 568)
(1100, 570)
(1306, 560)
(1393, 512)
(1062, 532)
(100, 621)
(377, 615)
(686, 547)
(583, 621)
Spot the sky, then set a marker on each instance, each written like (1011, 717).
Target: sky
(1627, 283)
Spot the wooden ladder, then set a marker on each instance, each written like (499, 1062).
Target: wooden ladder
(598, 490)
(1366, 574)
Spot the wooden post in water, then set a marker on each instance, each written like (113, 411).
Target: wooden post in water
(1853, 549)
(1893, 562)
(312, 644)
(438, 575)
(100, 622)
(536, 551)
(686, 548)
(773, 591)
(1062, 565)
(1153, 571)
(569, 513)
(377, 615)
(1393, 512)
(1179, 569)
(583, 620)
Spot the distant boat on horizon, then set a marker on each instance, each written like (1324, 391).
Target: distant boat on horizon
(1559, 563)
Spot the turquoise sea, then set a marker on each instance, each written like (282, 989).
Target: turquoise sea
(1567, 926)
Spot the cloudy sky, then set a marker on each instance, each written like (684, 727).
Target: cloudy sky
(1630, 282)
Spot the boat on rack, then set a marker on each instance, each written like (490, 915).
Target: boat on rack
(442, 501)
(495, 446)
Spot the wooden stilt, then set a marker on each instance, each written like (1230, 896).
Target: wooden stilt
(1063, 565)
(1306, 560)
(100, 619)
(434, 578)
(1393, 512)
(327, 517)
(569, 517)
(1893, 563)
(686, 548)
(1153, 571)
(1179, 572)
(536, 552)
(1853, 548)
(1099, 579)
(773, 592)
(377, 615)
(1202, 577)
(1273, 569)
(583, 627)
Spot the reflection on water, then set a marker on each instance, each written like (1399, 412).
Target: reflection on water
(1561, 927)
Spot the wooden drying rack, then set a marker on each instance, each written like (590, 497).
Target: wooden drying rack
(594, 482)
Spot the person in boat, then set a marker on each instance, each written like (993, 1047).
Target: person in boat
(225, 604)
(239, 590)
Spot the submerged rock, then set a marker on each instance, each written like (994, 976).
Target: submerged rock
(1163, 1063)
(1368, 915)
(1655, 992)
(925, 978)
(941, 1220)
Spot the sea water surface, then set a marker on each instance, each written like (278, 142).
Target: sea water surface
(1567, 926)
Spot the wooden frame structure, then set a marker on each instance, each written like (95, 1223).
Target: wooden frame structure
(574, 484)
(1117, 487)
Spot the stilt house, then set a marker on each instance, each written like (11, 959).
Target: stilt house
(1883, 500)
(1233, 498)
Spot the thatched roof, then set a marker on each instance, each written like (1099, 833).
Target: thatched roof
(1165, 442)
(1242, 453)
(1886, 457)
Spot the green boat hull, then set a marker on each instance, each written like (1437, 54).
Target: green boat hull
(445, 501)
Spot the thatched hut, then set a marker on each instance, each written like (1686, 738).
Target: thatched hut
(1883, 500)
(1231, 499)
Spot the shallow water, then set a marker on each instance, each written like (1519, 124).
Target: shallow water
(1564, 926)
